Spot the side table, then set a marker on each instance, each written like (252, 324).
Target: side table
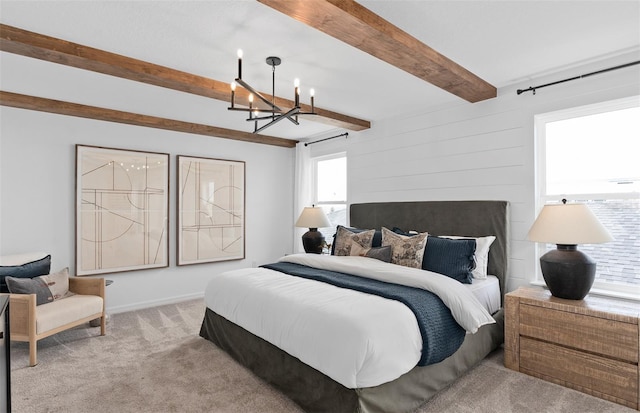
(590, 345)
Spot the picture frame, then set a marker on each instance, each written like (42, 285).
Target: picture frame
(122, 210)
(211, 210)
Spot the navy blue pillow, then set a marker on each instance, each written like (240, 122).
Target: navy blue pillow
(450, 257)
(27, 270)
(377, 237)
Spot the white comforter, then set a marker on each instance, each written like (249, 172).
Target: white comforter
(357, 339)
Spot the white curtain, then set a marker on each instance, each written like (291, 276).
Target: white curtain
(303, 196)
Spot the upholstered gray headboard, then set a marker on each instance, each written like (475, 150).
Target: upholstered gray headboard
(467, 218)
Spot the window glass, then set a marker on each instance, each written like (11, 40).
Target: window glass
(592, 155)
(332, 180)
(330, 191)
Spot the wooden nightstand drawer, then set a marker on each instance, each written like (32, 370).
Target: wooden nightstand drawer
(593, 334)
(599, 376)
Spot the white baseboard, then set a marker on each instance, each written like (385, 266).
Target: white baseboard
(153, 303)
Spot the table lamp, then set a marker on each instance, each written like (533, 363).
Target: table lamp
(569, 273)
(313, 218)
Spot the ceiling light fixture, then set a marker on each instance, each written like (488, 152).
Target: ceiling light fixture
(274, 113)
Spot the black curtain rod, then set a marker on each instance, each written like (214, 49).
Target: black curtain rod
(533, 88)
(346, 134)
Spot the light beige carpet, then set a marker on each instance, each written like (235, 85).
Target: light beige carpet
(153, 360)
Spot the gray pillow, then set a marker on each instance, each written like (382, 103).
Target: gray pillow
(380, 253)
(35, 286)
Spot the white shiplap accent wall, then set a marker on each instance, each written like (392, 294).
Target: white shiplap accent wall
(477, 151)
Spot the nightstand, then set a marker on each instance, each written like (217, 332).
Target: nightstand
(589, 345)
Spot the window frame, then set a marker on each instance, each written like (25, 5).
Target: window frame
(627, 291)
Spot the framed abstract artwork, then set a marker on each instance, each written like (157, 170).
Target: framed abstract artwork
(211, 210)
(122, 210)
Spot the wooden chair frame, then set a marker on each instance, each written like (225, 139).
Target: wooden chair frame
(23, 314)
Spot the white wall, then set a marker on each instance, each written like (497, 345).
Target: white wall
(37, 176)
(477, 151)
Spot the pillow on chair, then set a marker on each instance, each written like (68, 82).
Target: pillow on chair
(47, 288)
(29, 269)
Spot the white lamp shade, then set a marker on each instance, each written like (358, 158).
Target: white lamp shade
(313, 217)
(568, 224)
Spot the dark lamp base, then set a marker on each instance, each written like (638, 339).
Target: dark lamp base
(569, 273)
(313, 241)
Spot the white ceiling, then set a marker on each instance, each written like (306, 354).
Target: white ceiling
(503, 42)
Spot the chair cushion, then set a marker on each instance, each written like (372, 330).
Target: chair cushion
(67, 310)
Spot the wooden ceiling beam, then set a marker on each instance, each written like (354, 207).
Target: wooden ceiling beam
(59, 107)
(358, 26)
(51, 49)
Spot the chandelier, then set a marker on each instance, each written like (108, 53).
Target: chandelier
(263, 118)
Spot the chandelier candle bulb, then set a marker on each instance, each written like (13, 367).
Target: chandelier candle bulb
(239, 63)
(296, 92)
(233, 94)
(312, 94)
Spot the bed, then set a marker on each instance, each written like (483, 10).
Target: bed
(317, 391)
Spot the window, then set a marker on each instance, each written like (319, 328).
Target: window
(330, 190)
(591, 154)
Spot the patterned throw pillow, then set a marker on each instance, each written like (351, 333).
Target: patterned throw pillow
(47, 288)
(406, 251)
(344, 237)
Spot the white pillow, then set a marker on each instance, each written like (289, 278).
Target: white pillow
(481, 255)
